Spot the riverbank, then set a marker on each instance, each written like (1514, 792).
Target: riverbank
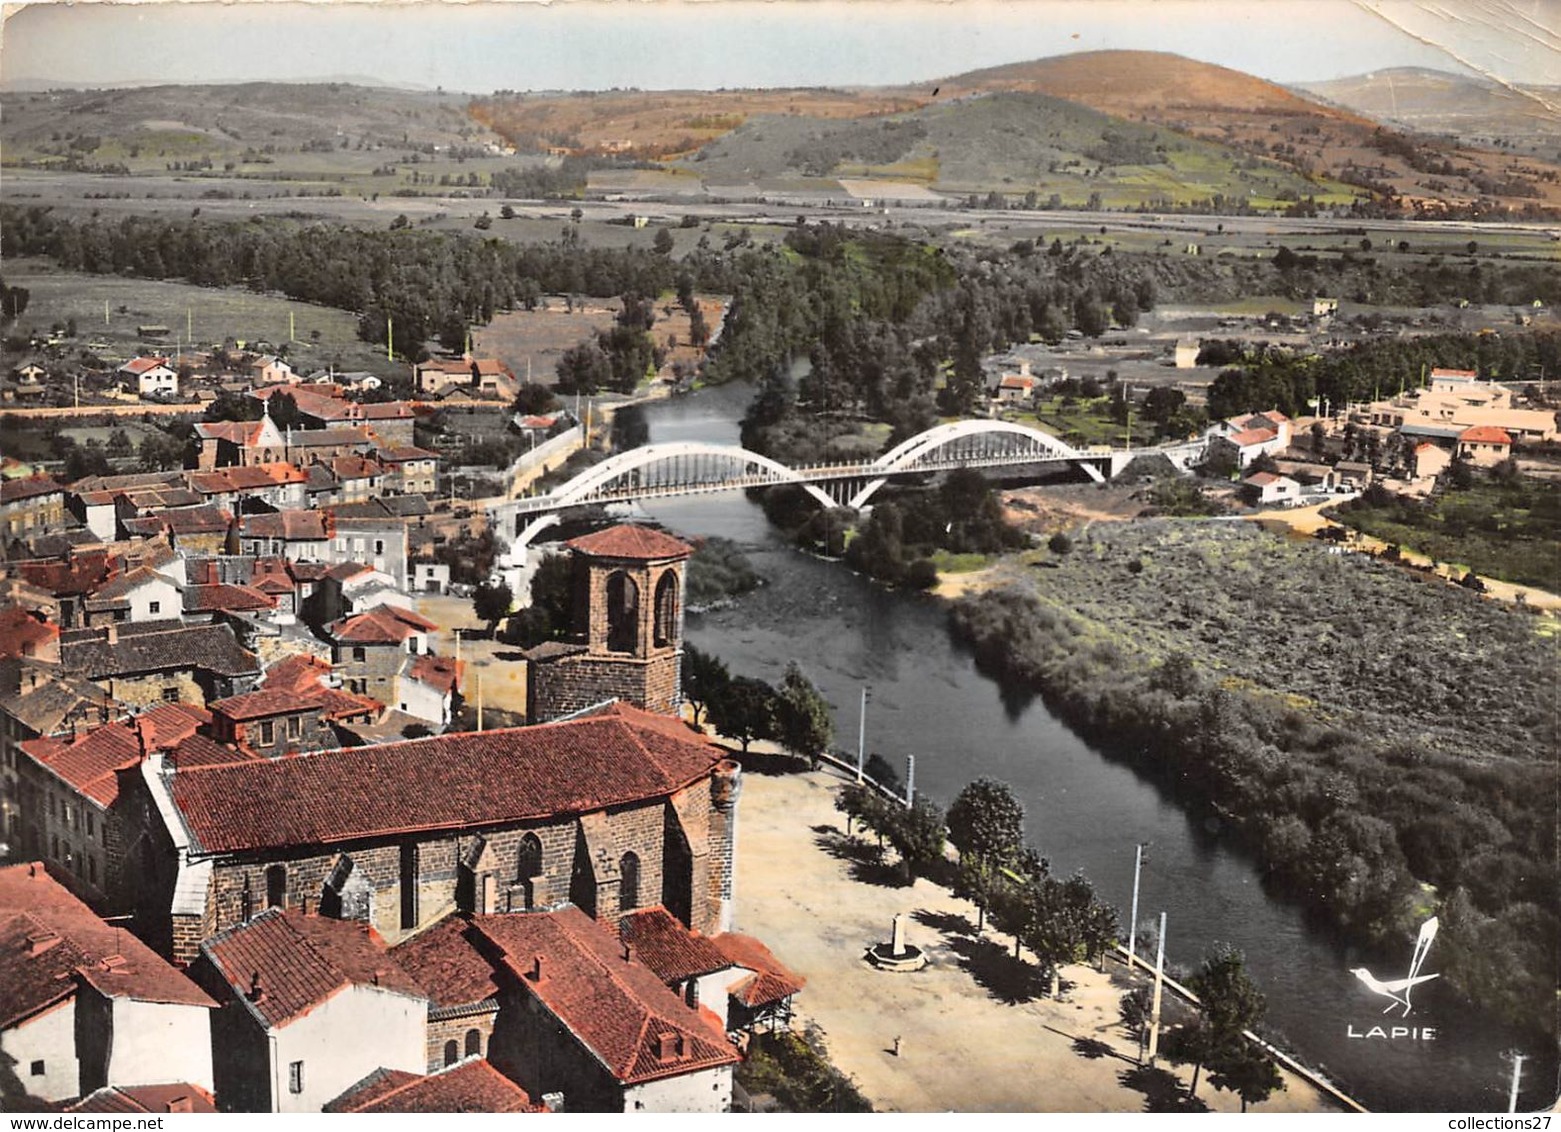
(974, 1036)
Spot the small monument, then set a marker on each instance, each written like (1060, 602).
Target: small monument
(897, 955)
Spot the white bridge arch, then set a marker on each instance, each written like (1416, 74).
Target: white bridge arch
(693, 468)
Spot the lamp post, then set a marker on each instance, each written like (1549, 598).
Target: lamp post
(1154, 1009)
(861, 739)
(1132, 924)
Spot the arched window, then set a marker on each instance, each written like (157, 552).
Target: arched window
(623, 613)
(529, 862)
(628, 882)
(452, 1052)
(473, 1043)
(276, 886)
(667, 609)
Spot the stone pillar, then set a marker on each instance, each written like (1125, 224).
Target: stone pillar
(897, 945)
(726, 785)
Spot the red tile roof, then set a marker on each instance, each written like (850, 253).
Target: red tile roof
(628, 540)
(1262, 479)
(438, 672)
(19, 628)
(143, 365)
(1484, 434)
(445, 962)
(1439, 372)
(771, 982)
(463, 780)
(663, 944)
(225, 598)
(470, 1086)
(402, 455)
(80, 572)
(301, 961)
(90, 763)
(1250, 436)
(14, 491)
(261, 705)
(180, 1097)
(245, 434)
(617, 1008)
(384, 624)
(36, 909)
(295, 524)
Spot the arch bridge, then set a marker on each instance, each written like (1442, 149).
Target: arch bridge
(658, 471)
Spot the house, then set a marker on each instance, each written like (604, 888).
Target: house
(351, 588)
(181, 1096)
(199, 529)
(279, 485)
(1354, 475)
(68, 797)
(157, 663)
(1324, 308)
(141, 594)
(28, 634)
(611, 811)
(426, 689)
(310, 1006)
(1014, 388)
(487, 378)
(370, 533)
(1247, 438)
(291, 535)
(409, 470)
(430, 577)
(1269, 488)
(1186, 355)
(469, 1086)
(272, 722)
(70, 578)
(735, 977)
(370, 649)
(227, 443)
(31, 505)
(1429, 460)
(150, 376)
(271, 370)
(36, 698)
(1484, 446)
(580, 1015)
(85, 1005)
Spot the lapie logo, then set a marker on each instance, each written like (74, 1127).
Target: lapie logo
(1399, 991)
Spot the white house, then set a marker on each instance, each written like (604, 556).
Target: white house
(141, 594)
(151, 375)
(84, 1004)
(1270, 488)
(311, 1006)
(1251, 437)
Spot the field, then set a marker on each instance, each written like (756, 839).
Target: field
(1084, 422)
(324, 336)
(1507, 531)
(531, 342)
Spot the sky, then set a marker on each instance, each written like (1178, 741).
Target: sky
(709, 44)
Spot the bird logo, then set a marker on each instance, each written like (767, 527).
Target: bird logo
(1399, 989)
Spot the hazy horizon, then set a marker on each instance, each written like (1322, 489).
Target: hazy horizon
(605, 44)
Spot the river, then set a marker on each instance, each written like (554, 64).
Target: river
(1082, 810)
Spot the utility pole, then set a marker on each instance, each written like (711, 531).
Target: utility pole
(1154, 1009)
(479, 699)
(390, 339)
(1132, 925)
(1517, 1075)
(910, 780)
(861, 739)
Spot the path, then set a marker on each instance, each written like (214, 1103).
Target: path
(970, 1040)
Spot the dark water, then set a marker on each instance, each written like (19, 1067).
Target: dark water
(1082, 810)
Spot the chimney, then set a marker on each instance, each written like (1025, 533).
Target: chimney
(180, 1104)
(669, 1046)
(40, 942)
(536, 969)
(256, 991)
(628, 952)
(112, 636)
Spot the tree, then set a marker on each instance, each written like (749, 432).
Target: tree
(506, 212)
(1136, 1009)
(1229, 1003)
(705, 679)
(802, 715)
(1246, 1071)
(550, 614)
(917, 833)
(491, 602)
(745, 711)
(533, 399)
(986, 820)
(1163, 402)
(1059, 543)
(662, 245)
(1053, 930)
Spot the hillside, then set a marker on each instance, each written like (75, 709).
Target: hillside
(1435, 102)
(145, 128)
(1011, 143)
(1263, 119)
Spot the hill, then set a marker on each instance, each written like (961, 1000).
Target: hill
(146, 128)
(1435, 102)
(1263, 119)
(1010, 143)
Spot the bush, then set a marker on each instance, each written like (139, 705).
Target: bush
(1059, 543)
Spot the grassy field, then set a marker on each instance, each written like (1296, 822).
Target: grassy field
(1084, 422)
(323, 336)
(1506, 531)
